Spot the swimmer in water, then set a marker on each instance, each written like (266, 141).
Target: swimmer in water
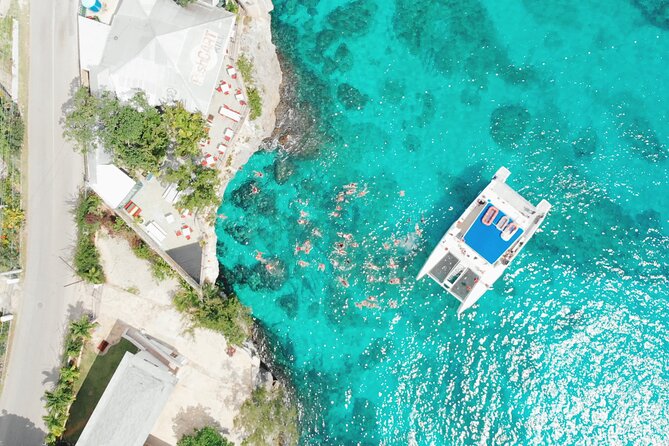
(317, 233)
(321, 267)
(257, 174)
(334, 214)
(362, 193)
(254, 189)
(392, 303)
(304, 214)
(259, 256)
(351, 186)
(386, 246)
(298, 248)
(306, 247)
(302, 263)
(392, 264)
(343, 281)
(301, 221)
(340, 197)
(401, 193)
(394, 281)
(371, 266)
(222, 216)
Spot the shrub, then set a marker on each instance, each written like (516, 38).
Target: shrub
(245, 68)
(231, 6)
(269, 418)
(207, 436)
(224, 314)
(255, 103)
(86, 257)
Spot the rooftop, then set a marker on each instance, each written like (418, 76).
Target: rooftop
(169, 52)
(130, 405)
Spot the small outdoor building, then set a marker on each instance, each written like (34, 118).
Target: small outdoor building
(131, 403)
(167, 51)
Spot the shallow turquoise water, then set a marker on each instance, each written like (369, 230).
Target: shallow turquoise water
(419, 102)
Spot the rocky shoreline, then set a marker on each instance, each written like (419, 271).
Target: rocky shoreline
(254, 34)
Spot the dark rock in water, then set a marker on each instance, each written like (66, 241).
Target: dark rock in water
(656, 12)
(290, 304)
(344, 58)
(351, 97)
(326, 38)
(585, 145)
(239, 233)
(267, 276)
(330, 66)
(248, 196)
(375, 353)
(508, 124)
(353, 19)
(429, 109)
(364, 420)
(221, 250)
(284, 167)
(412, 143)
(641, 138)
(470, 96)
(517, 75)
(313, 309)
(264, 378)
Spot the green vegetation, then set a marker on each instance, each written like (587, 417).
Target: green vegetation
(11, 214)
(186, 129)
(59, 400)
(6, 43)
(231, 6)
(86, 256)
(4, 338)
(184, 2)
(200, 182)
(92, 385)
(255, 101)
(139, 136)
(225, 314)
(245, 68)
(207, 436)
(269, 417)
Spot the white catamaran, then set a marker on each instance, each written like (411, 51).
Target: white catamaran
(479, 246)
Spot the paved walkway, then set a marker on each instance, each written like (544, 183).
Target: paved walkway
(54, 174)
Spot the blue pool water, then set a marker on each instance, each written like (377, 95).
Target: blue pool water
(487, 239)
(418, 103)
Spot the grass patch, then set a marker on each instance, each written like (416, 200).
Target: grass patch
(93, 386)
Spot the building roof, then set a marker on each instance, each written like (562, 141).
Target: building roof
(111, 184)
(92, 40)
(130, 405)
(169, 52)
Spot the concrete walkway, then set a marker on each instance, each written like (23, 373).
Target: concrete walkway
(54, 174)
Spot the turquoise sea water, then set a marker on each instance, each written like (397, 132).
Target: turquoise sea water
(418, 103)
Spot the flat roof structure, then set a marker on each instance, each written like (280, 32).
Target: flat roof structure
(169, 52)
(110, 183)
(131, 403)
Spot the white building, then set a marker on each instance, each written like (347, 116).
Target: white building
(131, 403)
(169, 52)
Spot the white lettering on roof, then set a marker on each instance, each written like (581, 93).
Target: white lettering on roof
(203, 57)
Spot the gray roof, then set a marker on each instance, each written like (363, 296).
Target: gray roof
(130, 405)
(169, 52)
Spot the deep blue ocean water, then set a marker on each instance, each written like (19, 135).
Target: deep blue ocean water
(415, 105)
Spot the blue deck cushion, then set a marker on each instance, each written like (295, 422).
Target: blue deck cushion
(487, 240)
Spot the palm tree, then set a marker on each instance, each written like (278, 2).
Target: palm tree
(58, 399)
(69, 374)
(82, 328)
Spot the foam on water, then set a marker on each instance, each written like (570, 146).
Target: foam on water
(417, 103)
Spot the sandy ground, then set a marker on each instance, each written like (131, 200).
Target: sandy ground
(212, 386)
(255, 42)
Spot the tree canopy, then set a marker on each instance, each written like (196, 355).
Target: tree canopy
(186, 129)
(269, 418)
(207, 436)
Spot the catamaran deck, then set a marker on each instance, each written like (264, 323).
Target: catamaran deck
(478, 247)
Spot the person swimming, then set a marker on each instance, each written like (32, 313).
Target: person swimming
(321, 267)
(394, 281)
(258, 174)
(343, 281)
(302, 263)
